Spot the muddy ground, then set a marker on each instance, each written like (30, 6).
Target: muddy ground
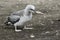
(46, 26)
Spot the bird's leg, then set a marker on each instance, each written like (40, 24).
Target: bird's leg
(17, 29)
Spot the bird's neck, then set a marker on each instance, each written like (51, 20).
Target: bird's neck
(27, 13)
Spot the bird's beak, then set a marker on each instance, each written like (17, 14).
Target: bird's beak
(38, 12)
(33, 11)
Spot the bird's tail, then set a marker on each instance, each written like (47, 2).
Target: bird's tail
(7, 21)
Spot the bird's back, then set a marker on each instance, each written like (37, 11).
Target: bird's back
(19, 13)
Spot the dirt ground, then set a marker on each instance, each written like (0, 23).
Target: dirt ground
(46, 26)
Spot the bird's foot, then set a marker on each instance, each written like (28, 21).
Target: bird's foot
(18, 30)
(27, 28)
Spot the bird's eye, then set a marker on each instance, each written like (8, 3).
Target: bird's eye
(31, 9)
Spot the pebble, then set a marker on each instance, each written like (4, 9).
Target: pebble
(32, 36)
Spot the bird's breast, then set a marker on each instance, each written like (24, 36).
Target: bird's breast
(25, 18)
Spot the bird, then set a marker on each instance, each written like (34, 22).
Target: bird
(20, 17)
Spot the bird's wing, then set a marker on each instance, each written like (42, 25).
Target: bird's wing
(14, 18)
(19, 13)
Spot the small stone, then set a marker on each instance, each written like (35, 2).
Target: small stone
(42, 24)
(52, 22)
(44, 16)
(32, 36)
(57, 33)
(47, 32)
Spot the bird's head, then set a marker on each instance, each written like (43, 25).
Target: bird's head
(30, 8)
